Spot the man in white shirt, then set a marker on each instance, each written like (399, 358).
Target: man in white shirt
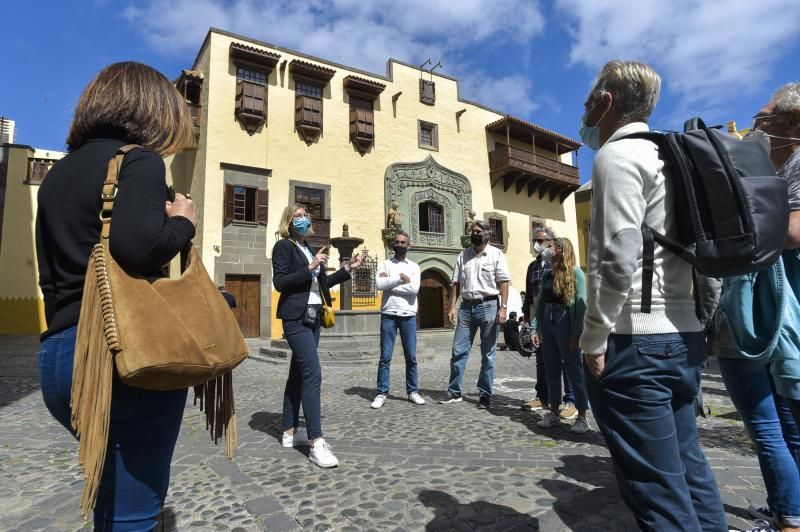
(398, 279)
(481, 272)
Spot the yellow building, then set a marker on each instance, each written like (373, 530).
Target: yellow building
(277, 126)
(22, 169)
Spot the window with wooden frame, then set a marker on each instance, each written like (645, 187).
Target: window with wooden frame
(190, 85)
(431, 217)
(428, 135)
(496, 225)
(314, 201)
(246, 204)
(362, 122)
(251, 97)
(308, 108)
(37, 170)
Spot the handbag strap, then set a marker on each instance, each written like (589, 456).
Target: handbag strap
(110, 186)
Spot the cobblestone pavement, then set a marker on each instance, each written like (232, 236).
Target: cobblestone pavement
(403, 467)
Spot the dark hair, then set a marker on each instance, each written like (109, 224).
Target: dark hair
(136, 104)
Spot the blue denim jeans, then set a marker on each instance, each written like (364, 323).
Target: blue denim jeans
(305, 378)
(141, 440)
(407, 325)
(643, 403)
(471, 319)
(541, 380)
(556, 337)
(770, 424)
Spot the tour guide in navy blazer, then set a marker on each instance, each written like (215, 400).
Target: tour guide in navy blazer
(298, 273)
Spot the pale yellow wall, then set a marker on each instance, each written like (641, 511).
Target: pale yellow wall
(357, 182)
(21, 307)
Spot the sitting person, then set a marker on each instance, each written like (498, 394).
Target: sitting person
(511, 332)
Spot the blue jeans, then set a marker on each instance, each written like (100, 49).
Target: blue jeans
(407, 325)
(541, 380)
(556, 337)
(305, 378)
(643, 402)
(472, 318)
(142, 435)
(769, 422)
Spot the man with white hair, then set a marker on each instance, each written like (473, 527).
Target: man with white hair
(481, 272)
(643, 368)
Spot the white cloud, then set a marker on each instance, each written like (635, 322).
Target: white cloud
(707, 52)
(361, 34)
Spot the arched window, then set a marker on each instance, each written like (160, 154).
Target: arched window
(431, 217)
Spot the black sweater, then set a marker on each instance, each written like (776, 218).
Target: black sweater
(142, 240)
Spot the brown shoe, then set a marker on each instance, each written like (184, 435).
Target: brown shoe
(534, 404)
(568, 412)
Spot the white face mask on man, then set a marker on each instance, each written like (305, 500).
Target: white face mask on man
(538, 247)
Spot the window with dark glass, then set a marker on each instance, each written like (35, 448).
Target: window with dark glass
(251, 97)
(362, 123)
(308, 89)
(431, 217)
(428, 135)
(245, 204)
(496, 225)
(314, 201)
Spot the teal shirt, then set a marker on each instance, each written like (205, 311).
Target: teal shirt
(576, 308)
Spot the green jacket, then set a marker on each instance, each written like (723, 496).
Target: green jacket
(576, 308)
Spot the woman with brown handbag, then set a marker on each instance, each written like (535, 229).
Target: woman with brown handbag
(127, 103)
(298, 273)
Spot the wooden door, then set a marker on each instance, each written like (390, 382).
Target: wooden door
(434, 301)
(246, 290)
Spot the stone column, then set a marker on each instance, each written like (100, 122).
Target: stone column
(346, 244)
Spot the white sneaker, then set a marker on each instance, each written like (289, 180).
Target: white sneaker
(416, 398)
(379, 400)
(549, 420)
(298, 439)
(580, 426)
(322, 454)
(450, 399)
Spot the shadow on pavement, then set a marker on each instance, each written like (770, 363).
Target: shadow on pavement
(362, 391)
(268, 423)
(728, 437)
(19, 373)
(169, 519)
(449, 514)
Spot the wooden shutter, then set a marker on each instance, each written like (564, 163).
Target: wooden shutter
(240, 96)
(228, 200)
(259, 99)
(262, 201)
(365, 123)
(298, 109)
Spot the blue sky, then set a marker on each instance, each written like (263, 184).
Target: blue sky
(536, 60)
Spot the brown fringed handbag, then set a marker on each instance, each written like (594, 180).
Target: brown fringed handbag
(161, 334)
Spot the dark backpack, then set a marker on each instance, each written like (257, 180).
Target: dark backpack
(731, 208)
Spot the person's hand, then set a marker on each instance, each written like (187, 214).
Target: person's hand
(595, 363)
(573, 344)
(356, 260)
(405, 278)
(451, 315)
(182, 206)
(536, 341)
(321, 258)
(383, 274)
(501, 315)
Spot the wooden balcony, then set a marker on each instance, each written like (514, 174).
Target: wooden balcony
(526, 171)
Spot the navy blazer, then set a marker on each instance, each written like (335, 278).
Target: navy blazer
(292, 278)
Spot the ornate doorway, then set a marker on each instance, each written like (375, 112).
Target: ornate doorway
(433, 299)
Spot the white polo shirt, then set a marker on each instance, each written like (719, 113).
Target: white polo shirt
(398, 299)
(478, 275)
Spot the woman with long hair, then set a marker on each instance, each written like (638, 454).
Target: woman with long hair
(126, 103)
(558, 324)
(298, 273)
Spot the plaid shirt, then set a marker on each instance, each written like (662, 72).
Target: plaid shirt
(533, 281)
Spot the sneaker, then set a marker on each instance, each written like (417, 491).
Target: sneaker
(760, 512)
(298, 439)
(568, 412)
(416, 398)
(484, 401)
(762, 526)
(534, 404)
(549, 420)
(450, 399)
(322, 454)
(580, 426)
(379, 400)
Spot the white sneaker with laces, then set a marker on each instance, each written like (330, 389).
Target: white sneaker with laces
(379, 400)
(760, 512)
(416, 398)
(298, 439)
(549, 420)
(762, 526)
(322, 454)
(580, 426)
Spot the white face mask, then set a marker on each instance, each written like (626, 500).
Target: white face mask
(547, 253)
(771, 142)
(538, 247)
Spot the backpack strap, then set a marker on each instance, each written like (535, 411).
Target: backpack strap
(648, 262)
